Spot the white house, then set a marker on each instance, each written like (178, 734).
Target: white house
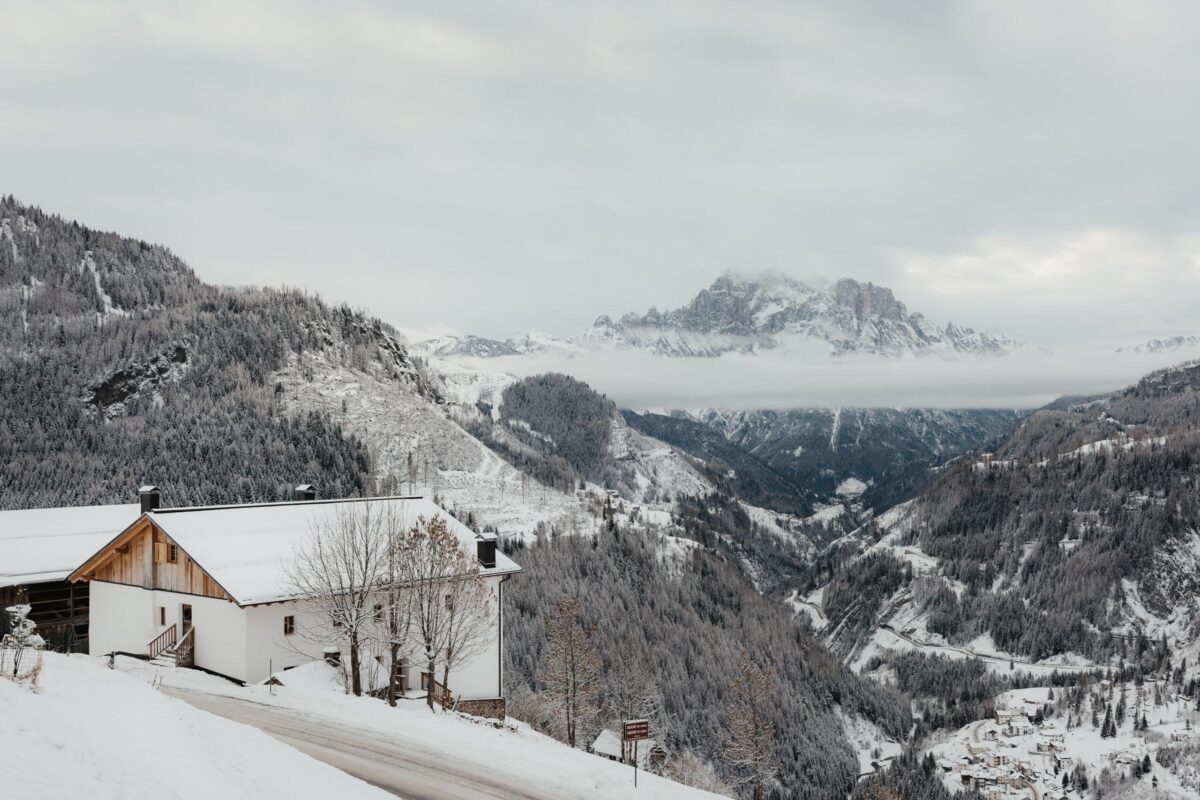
(208, 586)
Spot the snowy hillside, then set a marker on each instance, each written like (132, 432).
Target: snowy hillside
(88, 731)
(431, 754)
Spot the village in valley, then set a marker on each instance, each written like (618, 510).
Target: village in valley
(1056, 743)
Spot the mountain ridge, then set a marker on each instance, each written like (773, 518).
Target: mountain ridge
(749, 313)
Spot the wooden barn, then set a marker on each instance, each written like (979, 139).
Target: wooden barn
(38, 549)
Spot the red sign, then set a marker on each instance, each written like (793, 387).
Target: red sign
(635, 729)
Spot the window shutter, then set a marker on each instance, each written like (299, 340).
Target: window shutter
(160, 552)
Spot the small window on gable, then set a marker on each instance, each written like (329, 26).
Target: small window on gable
(162, 615)
(166, 553)
(289, 625)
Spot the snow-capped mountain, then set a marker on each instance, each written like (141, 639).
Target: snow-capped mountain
(766, 311)
(1167, 345)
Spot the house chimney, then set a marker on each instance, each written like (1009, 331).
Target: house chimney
(485, 547)
(306, 491)
(150, 497)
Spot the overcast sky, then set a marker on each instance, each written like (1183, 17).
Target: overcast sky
(493, 167)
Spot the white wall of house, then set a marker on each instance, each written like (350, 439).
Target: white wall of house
(122, 618)
(247, 642)
(267, 647)
(126, 618)
(479, 678)
(220, 632)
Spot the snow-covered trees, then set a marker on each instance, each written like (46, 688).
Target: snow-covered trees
(631, 690)
(20, 655)
(570, 669)
(750, 746)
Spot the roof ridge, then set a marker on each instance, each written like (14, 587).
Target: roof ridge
(327, 501)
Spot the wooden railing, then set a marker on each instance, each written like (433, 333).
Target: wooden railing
(440, 693)
(164, 641)
(185, 653)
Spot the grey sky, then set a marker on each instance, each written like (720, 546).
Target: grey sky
(493, 167)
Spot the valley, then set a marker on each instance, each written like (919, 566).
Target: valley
(869, 558)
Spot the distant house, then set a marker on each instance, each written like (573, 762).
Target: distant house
(38, 549)
(207, 587)
(608, 745)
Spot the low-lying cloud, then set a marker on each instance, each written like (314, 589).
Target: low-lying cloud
(1024, 380)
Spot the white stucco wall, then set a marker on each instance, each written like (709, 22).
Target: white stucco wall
(245, 643)
(479, 678)
(220, 632)
(126, 618)
(121, 618)
(267, 646)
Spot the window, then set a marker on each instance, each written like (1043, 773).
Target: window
(449, 602)
(166, 553)
(162, 615)
(289, 625)
(379, 612)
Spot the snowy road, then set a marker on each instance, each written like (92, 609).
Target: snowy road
(404, 771)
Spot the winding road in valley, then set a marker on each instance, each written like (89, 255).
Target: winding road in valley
(969, 653)
(405, 771)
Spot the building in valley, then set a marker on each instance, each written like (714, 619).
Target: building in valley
(208, 587)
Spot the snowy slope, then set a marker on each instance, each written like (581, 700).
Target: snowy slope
(509, 755)
(90, 732)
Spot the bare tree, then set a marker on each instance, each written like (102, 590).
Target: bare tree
(392, 613)
(631, 691)
(750, 748)
(428, 562)
(471, 612)
(338, 570)
(691, 770)
(570, 668)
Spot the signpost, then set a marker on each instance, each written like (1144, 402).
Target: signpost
(634, 730)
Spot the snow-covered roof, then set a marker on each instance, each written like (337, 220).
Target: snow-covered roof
(45, 544)
(246, 548)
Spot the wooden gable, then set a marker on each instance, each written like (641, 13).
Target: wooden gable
(143, 555)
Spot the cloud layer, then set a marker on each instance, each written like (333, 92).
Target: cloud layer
(498, 167)
(1026, 380)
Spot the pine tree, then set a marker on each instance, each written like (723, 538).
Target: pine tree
(1108, 730)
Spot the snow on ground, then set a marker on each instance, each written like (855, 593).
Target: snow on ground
(1036, 756)
(394, 421)
(873, 747)
(513, 752)
(851, 487)
(810, 606)
(783, 526)
(91, 732)
(1121, 440)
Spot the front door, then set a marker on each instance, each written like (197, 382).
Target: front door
(185, 619)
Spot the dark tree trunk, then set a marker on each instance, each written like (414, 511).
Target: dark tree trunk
(355, 674)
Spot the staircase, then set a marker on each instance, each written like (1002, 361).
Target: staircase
(165, 650)
(166, 658)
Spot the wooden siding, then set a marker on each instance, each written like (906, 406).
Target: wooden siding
(131, 560)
